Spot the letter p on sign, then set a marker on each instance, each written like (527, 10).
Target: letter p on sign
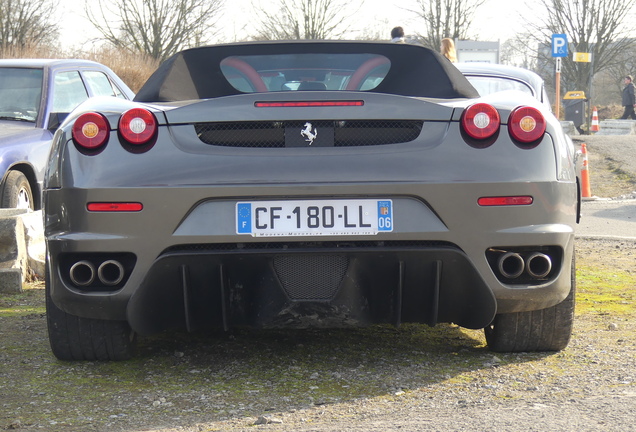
(559, 45)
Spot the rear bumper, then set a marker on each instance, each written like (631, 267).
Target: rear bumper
(331, 285)
(186, 265)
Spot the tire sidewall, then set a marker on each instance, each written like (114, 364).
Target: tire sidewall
(14, 183)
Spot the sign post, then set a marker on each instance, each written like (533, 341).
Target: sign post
(585, 57)
(559, 50)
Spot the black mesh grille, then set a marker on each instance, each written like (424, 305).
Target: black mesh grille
(364, 133)
(346, 133)
(244, 134)
(311, 277)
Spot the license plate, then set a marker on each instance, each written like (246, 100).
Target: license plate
(314, 217)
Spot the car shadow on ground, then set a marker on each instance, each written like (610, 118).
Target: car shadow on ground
(211, 377)
(300, 368)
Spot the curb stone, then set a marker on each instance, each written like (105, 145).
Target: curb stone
(22, 248)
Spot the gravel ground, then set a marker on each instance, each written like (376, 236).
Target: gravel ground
(378, 379)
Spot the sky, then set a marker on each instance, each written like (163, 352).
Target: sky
(495, 20)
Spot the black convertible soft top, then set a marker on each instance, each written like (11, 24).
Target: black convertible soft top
(202, 73)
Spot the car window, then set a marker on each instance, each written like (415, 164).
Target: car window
(101, 85)
(486, 85)
(20, 93)
(68, 92)
(299, 71)
(222, 70)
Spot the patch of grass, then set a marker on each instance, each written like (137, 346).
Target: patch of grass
(16, 311)
(607, 177)
(605, 291)
(28, 302)
(615, 167)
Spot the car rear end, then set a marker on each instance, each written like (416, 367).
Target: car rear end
(309, 208)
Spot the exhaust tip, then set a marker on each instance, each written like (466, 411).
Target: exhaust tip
(538, 265)
(82, 273)
(511, 265)
(110, 272)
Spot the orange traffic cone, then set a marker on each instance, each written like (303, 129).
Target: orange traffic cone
(595, 127)
(586, 190)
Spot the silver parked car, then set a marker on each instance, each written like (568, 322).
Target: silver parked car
(309, 184)
(35, 97)
(488, 78)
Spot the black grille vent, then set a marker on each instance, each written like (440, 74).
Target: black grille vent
(347, 133)
(244, 134)
(311, 277)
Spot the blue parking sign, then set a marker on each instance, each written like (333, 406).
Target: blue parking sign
(559, 45)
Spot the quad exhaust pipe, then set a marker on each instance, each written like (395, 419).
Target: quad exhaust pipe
(538, 265)
(109, 273)
(512, 265)
(82, 273)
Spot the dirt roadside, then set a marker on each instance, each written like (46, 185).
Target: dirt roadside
(378, 379)
(612, 165)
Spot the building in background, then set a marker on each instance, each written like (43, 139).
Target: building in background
(477, 51)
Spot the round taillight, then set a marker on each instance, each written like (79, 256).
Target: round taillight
(526, 124)
(480, 121)
(138, 126)
(91, 131)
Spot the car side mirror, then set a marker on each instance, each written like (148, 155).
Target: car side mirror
(55, 120)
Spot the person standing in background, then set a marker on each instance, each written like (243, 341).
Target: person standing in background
(629, 99)
(448, 50)
(397, 35)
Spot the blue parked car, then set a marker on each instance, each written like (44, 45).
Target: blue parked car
(35, 97)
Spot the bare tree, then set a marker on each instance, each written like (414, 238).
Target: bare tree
(445, 19)
(598, 27)
(158, 28)
(305, 19)
(517, 52)
(27, 22)
(608, 84)
(374, 30)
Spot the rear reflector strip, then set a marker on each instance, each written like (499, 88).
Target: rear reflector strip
(505, 201)
(114, 207)
(304, 104)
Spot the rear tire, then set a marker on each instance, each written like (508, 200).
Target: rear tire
(15, 192)
(542, 330)
(76, 338)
